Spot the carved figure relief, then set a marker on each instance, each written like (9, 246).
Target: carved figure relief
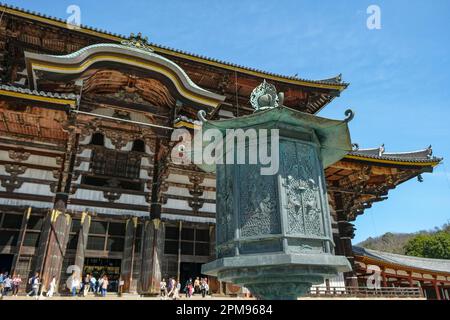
(303, 200)
(258, 201)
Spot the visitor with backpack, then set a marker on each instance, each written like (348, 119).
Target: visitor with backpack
(7, 283)
(35, 284)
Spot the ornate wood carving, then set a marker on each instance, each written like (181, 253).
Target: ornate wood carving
(10, 184)
(18, 155)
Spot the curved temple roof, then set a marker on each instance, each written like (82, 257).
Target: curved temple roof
(419, 157)
(76, 63)
(435, 265)
(331, 83)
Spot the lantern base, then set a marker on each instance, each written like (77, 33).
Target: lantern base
(277, 276)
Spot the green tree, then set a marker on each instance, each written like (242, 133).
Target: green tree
(436, 245)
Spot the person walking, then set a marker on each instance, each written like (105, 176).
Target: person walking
(7, 285)
(17, 280)
(75, 285)
(86, 284)
(197, 285)
(203, 287)
(93, 284)
(99, 284)
(163, 288)
(176, 294)
(187, 288)
(105, 283)
(52, 287)
(2, 284)
(34, 282)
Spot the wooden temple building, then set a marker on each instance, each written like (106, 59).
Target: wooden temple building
(86, 176)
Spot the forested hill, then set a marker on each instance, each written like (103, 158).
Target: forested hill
(430, 244)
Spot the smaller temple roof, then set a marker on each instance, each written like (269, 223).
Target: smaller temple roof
(419, 157)
(435, 265)
(25, 93)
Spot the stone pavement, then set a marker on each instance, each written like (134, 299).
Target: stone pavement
(124, 297)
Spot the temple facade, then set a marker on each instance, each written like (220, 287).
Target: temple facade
(87, 176)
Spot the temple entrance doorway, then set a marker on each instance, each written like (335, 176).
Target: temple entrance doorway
(98, 267)
(6, 262)
(189, 270)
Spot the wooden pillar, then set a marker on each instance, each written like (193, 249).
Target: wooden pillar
(128, 254)
(23, 230)
(41, 250)
(410, 280)
(56, 248)
(82, 240)
(436, 289)
(151, 257)
(180, 227)
(212, 241)
(346, 234)
(383, 277)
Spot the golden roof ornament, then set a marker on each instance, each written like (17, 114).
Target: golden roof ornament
(137, 41)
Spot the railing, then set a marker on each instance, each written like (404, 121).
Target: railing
(363, 292)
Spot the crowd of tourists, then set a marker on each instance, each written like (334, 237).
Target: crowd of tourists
(10, 285)
(78, 286)
(172, 288)
(89, 283)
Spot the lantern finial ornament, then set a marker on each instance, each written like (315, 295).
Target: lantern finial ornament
(265, 96)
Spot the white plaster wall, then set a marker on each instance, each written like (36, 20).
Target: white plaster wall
(209, 182)
(20, 202)
(32, 173)
(143, 173)
(178, 217)
(84, 166)
(208, 207)
(34, 188)
(176, 191)
(33, 159)
(94, 195)
(110, 211)
(178, 178)
(85, 140)
(210, 195)
(132, 199)
(177, 204)
(86, 153)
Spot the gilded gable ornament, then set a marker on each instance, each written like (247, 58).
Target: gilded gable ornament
(137, 41)
(265, 96)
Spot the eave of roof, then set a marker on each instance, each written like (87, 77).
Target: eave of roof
(419, 263)
(421, 158)
(332, 83)
(54, 98)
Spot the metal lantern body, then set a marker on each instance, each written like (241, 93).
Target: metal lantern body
(274, 232)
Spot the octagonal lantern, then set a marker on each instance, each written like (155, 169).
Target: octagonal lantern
(273, 231)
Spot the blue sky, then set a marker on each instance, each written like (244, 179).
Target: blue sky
(399, 75)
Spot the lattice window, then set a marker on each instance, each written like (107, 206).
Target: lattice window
(115, 163)
(194, 242)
